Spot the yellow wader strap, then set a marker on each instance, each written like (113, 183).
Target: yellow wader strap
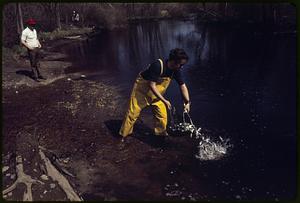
(161, 67)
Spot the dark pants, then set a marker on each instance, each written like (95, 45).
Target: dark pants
(34, 56)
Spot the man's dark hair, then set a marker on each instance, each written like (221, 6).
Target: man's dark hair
(177, 55)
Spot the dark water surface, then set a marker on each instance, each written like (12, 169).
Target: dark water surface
(242, 83)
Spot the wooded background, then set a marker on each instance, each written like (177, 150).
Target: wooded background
(51, 16)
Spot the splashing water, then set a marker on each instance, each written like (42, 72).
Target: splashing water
(209, 149)
(212, 149)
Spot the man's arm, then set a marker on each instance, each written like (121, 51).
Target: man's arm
(185, 97)
(24, 43)
(23, 40)
(158, 95)
(185, 93)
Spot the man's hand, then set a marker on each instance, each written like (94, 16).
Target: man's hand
(168, 104)
(158, 95)
(187, 107)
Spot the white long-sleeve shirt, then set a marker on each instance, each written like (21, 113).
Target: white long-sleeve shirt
(30, 37)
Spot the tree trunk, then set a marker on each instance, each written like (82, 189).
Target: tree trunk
(19, 16)
(82, 14)
(57, 14)
(274, 15)
(66, 18)
(225, 11)
(133, 10)
(264, 13)
(127, 10)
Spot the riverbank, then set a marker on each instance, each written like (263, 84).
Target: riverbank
(16, 66)
(61, 134)
(60, 99)
(74, 121)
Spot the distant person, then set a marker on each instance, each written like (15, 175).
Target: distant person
(149, 88)
(30, 40)
(75, 18)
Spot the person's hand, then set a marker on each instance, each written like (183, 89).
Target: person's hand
(168, 104)
(187, 107)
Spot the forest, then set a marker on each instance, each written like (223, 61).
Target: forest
(58, 16)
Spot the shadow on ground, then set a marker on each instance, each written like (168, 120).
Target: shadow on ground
(141, 132)
(25, 73)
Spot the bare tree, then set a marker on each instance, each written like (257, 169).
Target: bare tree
(19, 17)
(57, 15)
(225, 11)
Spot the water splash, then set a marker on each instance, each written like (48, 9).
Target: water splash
(209, 148)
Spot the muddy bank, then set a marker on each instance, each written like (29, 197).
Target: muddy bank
(77, 122)
(32, 112)
(74, 122)
(51, 117)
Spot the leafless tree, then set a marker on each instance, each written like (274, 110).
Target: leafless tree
(57, 14)
(19, 17)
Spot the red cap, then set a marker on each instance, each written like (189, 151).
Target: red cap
(31, 21)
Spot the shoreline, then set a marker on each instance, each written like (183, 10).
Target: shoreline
(16, 65)
(50, 118)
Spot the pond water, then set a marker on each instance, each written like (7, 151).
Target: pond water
(242, 82)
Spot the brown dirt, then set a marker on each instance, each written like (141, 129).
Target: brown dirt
(77, 120)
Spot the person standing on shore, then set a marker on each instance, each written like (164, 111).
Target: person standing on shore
(30, 40)
(75, 18)
(149, 88)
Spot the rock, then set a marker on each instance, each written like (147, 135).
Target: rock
(44, 177)
(9, 194)
(52, 185)
(5, 168)
(45, 192)
(8, 174)
(66, 160)
(13, 176)
(35, 170)
(43, 169)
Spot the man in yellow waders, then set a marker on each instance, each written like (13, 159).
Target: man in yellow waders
(149, 88)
